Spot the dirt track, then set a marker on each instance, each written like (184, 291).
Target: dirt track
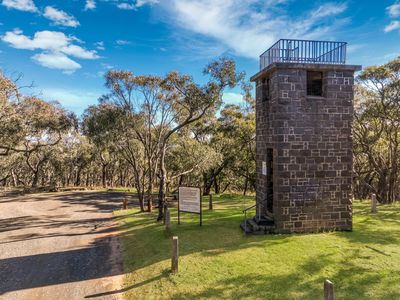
(60, 246)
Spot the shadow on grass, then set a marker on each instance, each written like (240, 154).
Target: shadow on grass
(146, 243)
(125, 289)
(297, 285)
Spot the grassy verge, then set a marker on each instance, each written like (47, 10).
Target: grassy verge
(218, 261)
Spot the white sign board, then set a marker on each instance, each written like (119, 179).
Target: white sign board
(264, 168)
(189, 199)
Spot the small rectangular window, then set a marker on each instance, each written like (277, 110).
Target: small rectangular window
(314, 83)
(265, 89)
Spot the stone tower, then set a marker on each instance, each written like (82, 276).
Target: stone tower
(304, 112)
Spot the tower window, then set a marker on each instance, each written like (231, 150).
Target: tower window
(314, 83)
(265, 89)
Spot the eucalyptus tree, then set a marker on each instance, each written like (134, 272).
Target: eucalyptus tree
(184, 102)
(156, 108)
(29, 126)
(377, 130)
(138, 98)
(232, 135)
(187, 159)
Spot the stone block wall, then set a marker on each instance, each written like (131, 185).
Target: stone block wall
(311, 138)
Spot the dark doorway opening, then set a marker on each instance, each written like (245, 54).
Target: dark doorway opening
(270, 183)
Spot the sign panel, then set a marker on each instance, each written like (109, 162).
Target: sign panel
(264, 168)
(189, 199)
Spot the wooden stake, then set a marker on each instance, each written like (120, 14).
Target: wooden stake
(373, 203)
(329, 293)
(175, 255)
(210, 203)
(125, 203)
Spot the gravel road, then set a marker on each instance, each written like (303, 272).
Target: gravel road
(60, 246)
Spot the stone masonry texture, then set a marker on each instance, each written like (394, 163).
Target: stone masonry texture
(311, 138)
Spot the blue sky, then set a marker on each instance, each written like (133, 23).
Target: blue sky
(66, 46)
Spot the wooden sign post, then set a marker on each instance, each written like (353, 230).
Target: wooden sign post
(373, 203)
(175, 255)
(329, 293)
(125, 203)
(189, 200)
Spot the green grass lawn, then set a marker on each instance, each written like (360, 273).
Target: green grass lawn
(218, 261)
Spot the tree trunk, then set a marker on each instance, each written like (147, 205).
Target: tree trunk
(104, 175)
(163, 184)
(216, 186)
(78, 177)
(121, 178)
(14, 177)
(35, 178)
(208, 182)
(149, 193)
(141, 200)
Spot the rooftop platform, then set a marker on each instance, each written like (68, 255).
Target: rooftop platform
(304, 51)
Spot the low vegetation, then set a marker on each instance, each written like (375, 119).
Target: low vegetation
(218, 261)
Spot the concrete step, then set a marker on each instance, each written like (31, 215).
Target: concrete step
(252, 223)
(265, 221)
(251, 226)
(246, 229)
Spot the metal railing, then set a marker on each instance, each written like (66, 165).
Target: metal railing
(304, 51)
(260, 205)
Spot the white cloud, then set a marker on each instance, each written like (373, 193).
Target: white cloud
(140, 3)
(60, 17)
(122, 42)
(48, 40)
(79, 52)
(90, 5)
(24, 5)
(394, 10)
(100, 45)
(233, 98)
(55, 47)
(394, 25)
(248, 27)
(126, 6)
(72, 99)
(107, 66)
(56, 60)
